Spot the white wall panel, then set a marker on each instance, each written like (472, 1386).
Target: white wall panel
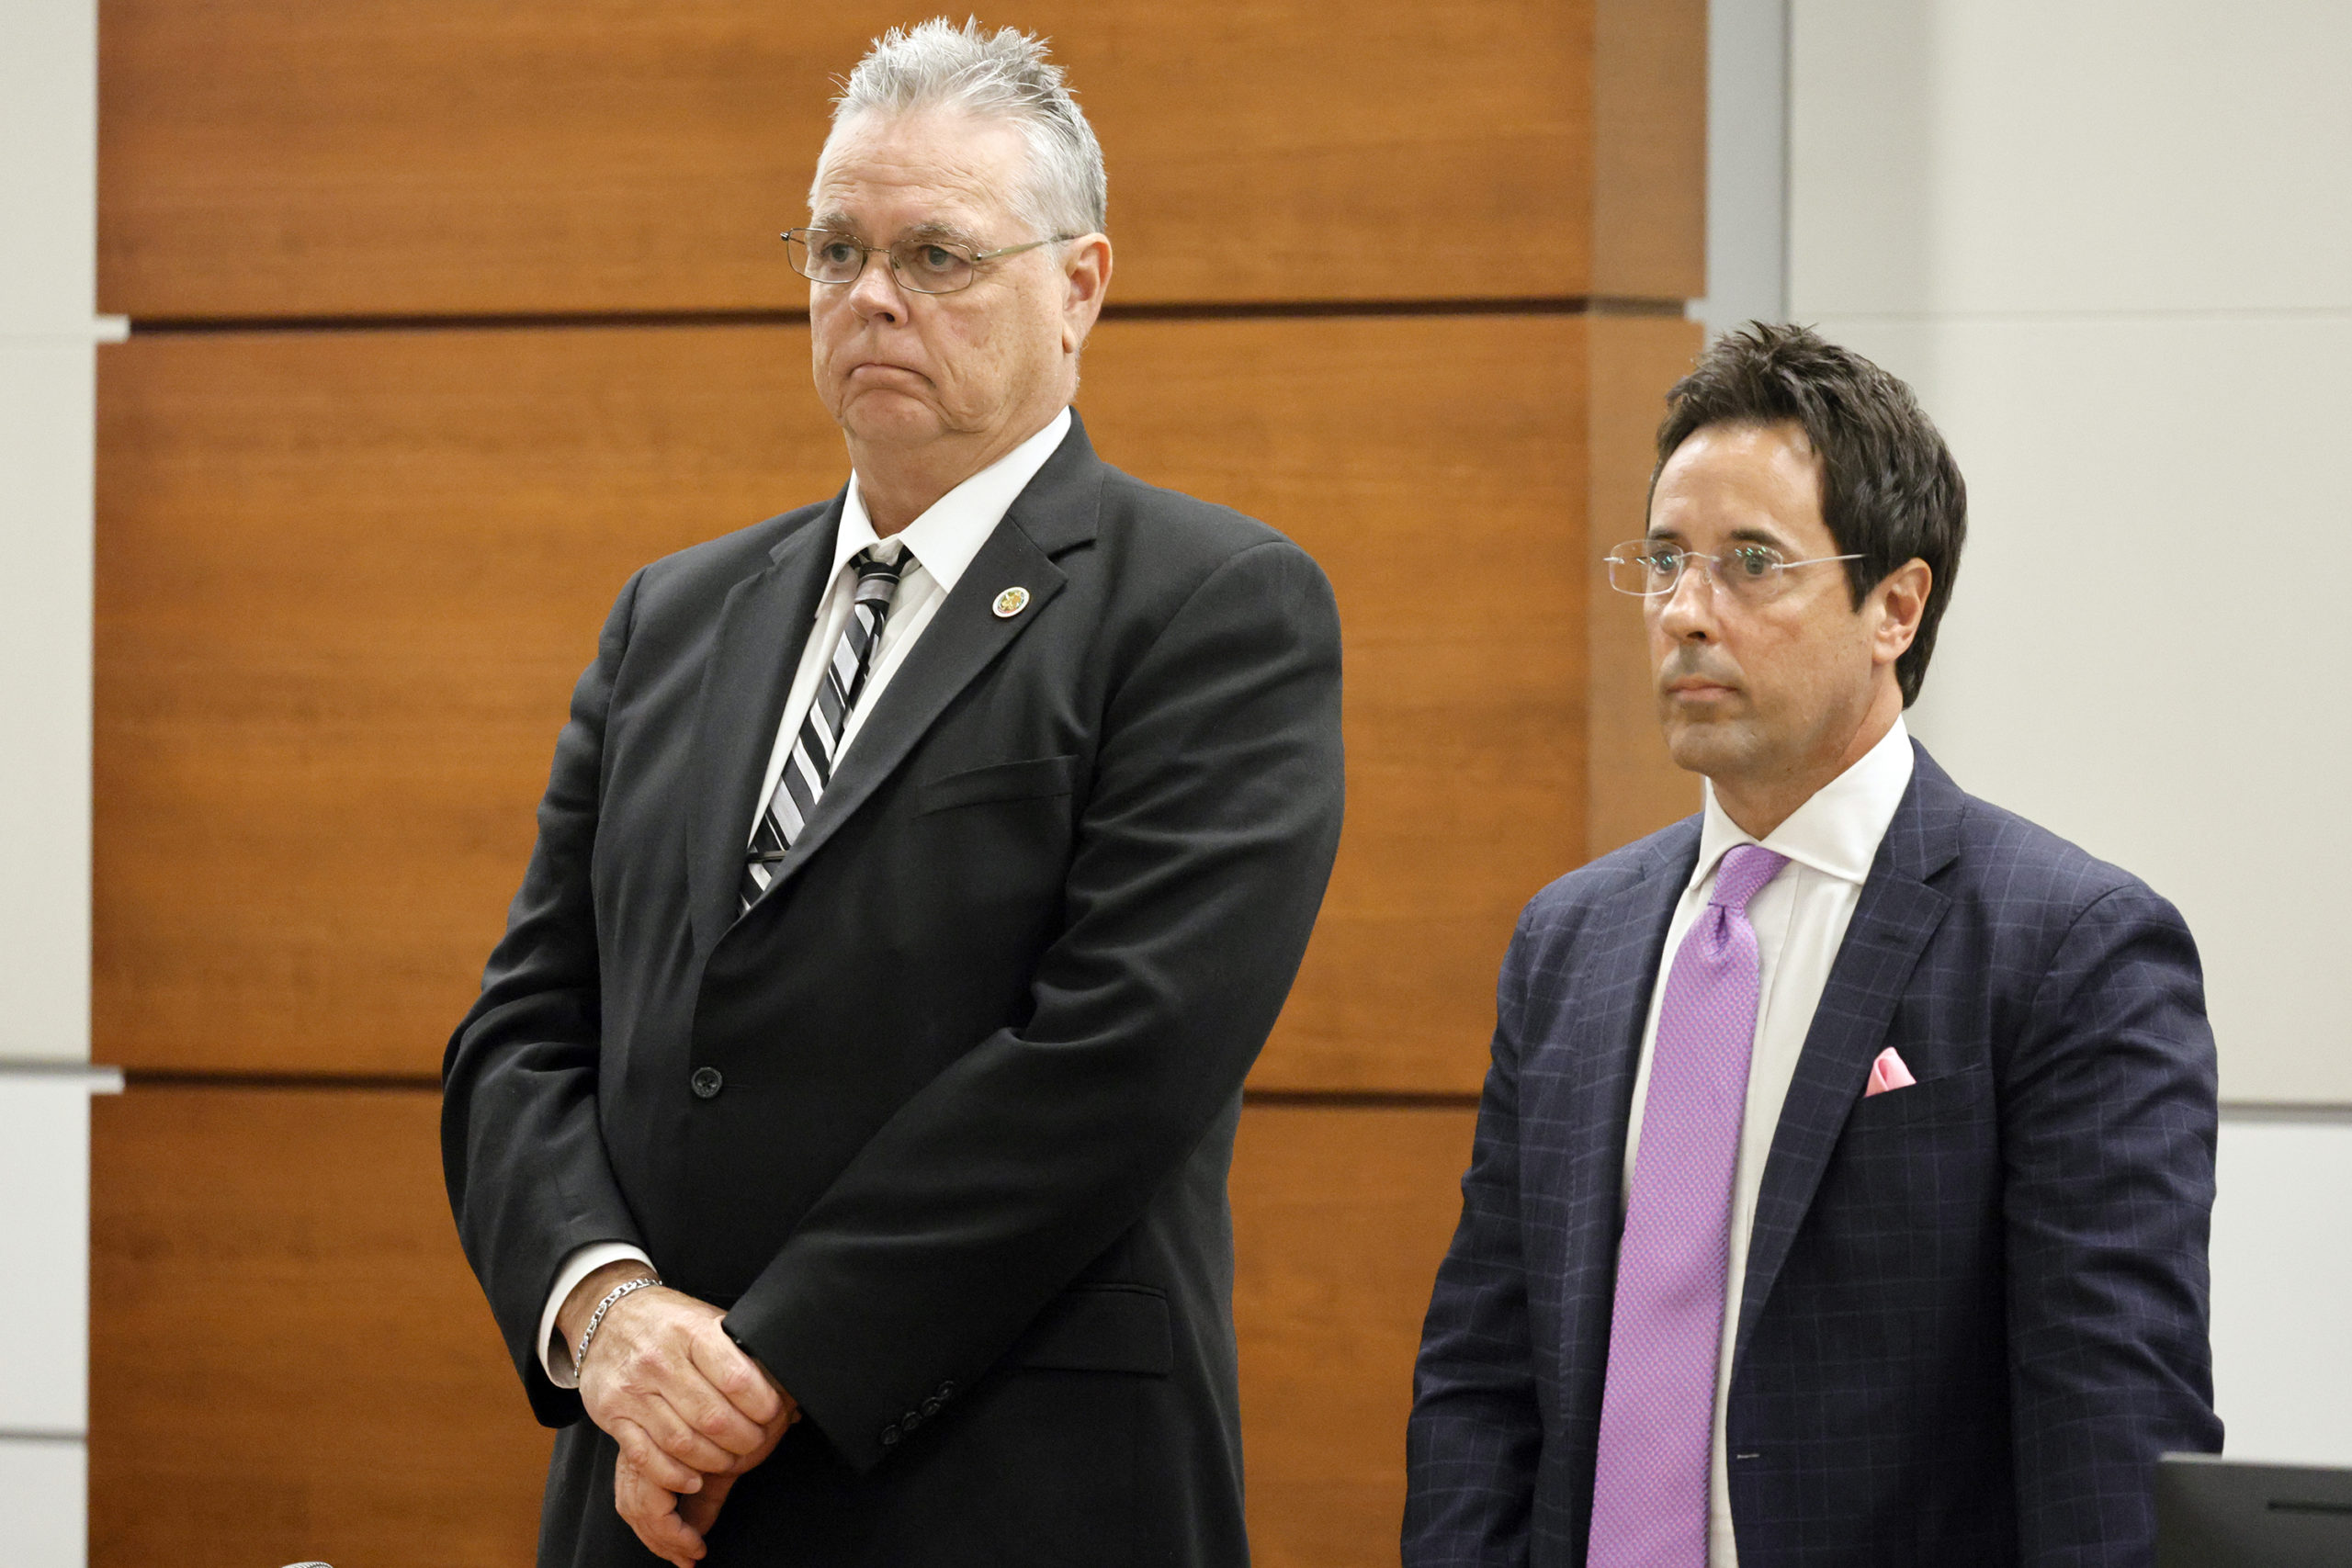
(1746, 164)
(48, 95)
(2282, 1275)
(42, 1484)
(48, 290)
(2143, 646)
(2028, 156)
(44, 1233)
(46, 414)
(48, 286)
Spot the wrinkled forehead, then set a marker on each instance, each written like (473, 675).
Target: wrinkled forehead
(932, 171)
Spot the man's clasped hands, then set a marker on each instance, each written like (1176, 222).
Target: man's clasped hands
(689, 1409)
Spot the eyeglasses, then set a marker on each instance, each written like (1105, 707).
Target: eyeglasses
(1752, 574)
(921, 266)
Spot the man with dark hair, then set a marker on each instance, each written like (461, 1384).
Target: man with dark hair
(1843, 1174)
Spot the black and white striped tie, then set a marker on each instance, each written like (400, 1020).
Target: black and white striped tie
(810, 764)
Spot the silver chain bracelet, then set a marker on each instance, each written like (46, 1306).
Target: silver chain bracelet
(596, 1318)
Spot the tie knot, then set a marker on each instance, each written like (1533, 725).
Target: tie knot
(880, 566)
(1746, 869)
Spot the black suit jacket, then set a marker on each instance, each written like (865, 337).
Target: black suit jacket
(1973, 1310)
(979, 1049)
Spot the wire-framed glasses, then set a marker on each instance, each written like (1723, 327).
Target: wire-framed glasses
(1753, 574)
(921, 266)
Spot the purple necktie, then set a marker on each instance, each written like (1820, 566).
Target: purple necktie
(1649, 1493)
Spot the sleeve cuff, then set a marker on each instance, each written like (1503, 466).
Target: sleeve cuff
(583, 1261)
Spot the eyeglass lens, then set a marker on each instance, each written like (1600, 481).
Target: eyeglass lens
(924, 266)
(1649, 568)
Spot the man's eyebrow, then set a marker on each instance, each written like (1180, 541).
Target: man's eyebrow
(936, 230)
(1745, 534)
(1750, 534)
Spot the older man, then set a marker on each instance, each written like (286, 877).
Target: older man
(920, 874)
(1842, 1178)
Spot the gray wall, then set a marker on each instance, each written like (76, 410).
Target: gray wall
(47, 204)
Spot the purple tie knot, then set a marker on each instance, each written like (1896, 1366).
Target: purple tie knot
(1746, 869)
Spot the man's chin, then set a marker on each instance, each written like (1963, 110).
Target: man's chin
(1707, 746)
(891, 419)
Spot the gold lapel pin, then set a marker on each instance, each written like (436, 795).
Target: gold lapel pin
(1010, 602)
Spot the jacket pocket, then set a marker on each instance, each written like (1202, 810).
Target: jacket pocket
(1101, 1328)
(1965, 1096)
(1032, 777)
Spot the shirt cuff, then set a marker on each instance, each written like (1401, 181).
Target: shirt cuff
(583, 1261)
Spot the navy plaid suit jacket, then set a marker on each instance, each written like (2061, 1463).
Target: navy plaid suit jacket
(1974, 1308)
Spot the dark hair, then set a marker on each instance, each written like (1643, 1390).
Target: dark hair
(1890, 490)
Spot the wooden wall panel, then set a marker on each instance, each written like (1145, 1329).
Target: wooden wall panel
(1649, 148)
(1435, 467)
(269, 157)
(290, 1360)
(1632, 786)
(346, 580)
(289, 1357)
(1339, 1220)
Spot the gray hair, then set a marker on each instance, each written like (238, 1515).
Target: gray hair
(1002, 75)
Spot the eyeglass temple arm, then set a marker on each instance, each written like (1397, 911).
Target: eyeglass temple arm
(1014, 250)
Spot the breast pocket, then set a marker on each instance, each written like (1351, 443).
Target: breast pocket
(1031, 778)
(1912, 1191)
(1965, 1097)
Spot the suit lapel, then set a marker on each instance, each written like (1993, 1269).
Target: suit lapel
(762, 628)
(1612, 985)
(964, 637)
(1897, 916)
(1056, 512)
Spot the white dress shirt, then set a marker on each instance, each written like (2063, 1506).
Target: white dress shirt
(943, 541)
(1800, 918)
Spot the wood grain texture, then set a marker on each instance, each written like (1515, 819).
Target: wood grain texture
(1435, 467)
(346, 581)
(1340, 1218)
(274, 157)
(289, 1358)
(1632, 786)
(1649, 148)
(349, 578)
(345, 584)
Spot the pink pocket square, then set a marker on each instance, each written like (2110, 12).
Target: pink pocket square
(1888, 1072)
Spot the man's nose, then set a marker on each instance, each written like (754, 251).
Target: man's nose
(1688, 609)
(876, 294)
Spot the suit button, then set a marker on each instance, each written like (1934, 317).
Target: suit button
(947, 1391)
(930, 1407)
(889, 1437)
(708, 1082)
(910, 1421)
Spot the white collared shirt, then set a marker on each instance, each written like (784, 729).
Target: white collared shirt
(1800, 918)
(943, 541)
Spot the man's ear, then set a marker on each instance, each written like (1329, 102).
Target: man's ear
(1900, 601)
(1086, 279)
